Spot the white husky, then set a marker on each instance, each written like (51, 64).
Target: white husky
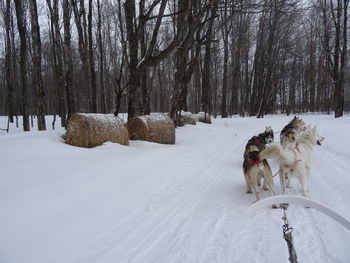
(295, 159)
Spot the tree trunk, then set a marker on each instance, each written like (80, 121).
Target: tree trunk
(197, 87)
(224, 82)
(145, 92)
(336, 52)
(267, 82)
(119, 89)
(343, 58)
(225, 31)
(22, 29)
(8, 66)
(180, 59)
(37, 76)
(80, 23)
(134, 108)
(15, 81)
(340, 50)
(101, 60)
(207, 67)
(68, 63)
(258, 68)
(206, 76)
(293, 80)
(57, 53)
(92, 75)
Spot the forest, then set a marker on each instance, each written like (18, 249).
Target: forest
(223, 57)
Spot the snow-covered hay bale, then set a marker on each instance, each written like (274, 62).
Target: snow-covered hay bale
(156, 127)
(204, 117)
(91, 130)
(187, 118)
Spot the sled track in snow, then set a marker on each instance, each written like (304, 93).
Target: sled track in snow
(167, 234)
(215, 180)
(218, 244)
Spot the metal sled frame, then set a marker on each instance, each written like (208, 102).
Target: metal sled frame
(282, 199)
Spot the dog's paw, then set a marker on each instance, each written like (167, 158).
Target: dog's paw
(248, 191)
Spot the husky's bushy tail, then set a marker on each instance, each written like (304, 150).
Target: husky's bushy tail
(274, 151)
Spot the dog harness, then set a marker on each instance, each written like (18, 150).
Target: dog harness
(256, 162)
(298, 160)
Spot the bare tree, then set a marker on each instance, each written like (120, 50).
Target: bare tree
(8, 62)
(225, 27)
(118, 83)
(37, 76)
(92, 74)
(57, 53)
(207, 67)
(335, 45)
(22, 30)
(68, 63)
(136, 66)
(251, 57)
(190, 28)
(83, 48)
(101, 58)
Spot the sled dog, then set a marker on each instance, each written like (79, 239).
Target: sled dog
(253, 168)
(295, 159)
(291, 130)
(260, 140)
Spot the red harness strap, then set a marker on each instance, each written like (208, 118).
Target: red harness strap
(256, 162)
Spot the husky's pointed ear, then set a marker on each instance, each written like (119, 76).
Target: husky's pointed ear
(315, 128)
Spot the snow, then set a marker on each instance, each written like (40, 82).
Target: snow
(155, 118)
(106, 118)
(151, 202)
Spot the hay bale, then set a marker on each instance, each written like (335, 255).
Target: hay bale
(187, 118)
(90, 130)
(204, 117)
(156, 127)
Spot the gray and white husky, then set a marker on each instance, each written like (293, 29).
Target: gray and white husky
(291, 131)
(255, 170)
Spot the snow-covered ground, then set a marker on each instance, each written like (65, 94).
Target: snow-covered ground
(150, 203)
